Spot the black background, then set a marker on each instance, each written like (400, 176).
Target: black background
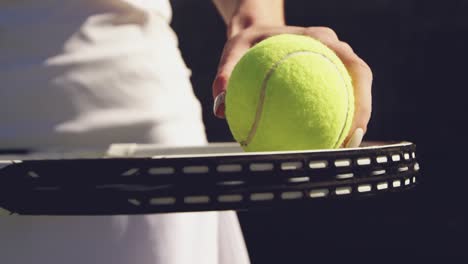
(417, 51)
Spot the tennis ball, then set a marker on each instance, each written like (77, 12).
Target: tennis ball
(289, 92)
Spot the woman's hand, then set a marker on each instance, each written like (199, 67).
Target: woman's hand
(361, 74)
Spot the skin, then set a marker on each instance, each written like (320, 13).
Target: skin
(250, 21)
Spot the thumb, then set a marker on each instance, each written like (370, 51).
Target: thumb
(232, 53)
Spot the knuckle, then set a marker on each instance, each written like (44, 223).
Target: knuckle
(220, 80)
(345, 46)
(365, 67)
(219, 85)
(348, 60)
(238, 37)
(326, 32)
(311, 31)
(360, 65)
(365, 111)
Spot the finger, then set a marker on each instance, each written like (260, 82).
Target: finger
(362, 83)
(356, 139)
(361, 76)
(238, 46)
(232, 53)
(323, 34)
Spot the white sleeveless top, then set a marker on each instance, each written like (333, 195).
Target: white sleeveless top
(87, 73)
(91, 72)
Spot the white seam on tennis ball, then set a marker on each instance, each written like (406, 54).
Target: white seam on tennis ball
(258, 114)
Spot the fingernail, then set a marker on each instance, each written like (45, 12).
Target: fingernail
(356, 138)
(218, 106)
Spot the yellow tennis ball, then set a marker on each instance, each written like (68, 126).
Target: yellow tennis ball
(289, 92)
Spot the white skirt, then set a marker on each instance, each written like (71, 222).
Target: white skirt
(75, 77)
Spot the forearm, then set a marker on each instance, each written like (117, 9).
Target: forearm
(241, 14)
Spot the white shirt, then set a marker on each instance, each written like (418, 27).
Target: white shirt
(79, 73)
(112, 70)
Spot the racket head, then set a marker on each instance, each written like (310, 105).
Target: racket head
(141, 179)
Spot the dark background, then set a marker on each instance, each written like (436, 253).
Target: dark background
(417, 51)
